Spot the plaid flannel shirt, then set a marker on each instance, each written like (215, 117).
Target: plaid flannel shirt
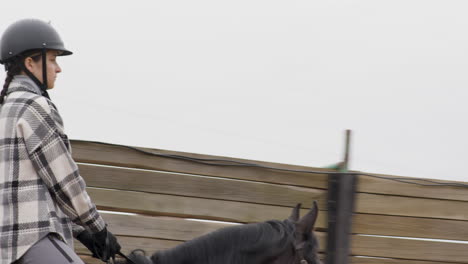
(41, 190)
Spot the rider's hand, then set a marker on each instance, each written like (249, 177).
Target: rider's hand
(86, 238)
(106, 245)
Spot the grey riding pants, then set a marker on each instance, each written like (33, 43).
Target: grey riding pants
(50, 250)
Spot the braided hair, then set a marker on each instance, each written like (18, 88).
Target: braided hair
(15, 68)
(10, 74)
(5, 87)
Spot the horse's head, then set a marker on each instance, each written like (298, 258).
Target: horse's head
(305, 244)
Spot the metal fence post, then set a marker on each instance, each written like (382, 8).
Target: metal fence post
(341, 197)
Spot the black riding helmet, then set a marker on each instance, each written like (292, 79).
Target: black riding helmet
(28, 35)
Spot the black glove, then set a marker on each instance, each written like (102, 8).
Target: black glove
(105, 244)
(86, 238)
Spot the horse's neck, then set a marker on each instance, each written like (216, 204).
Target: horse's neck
(228, 246)
(182, 254)
(198, 251)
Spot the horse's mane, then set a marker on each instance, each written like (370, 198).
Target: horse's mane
(243, 244)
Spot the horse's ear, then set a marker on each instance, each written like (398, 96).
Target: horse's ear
(307, 222)
(295, 213)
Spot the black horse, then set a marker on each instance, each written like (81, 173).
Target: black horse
(272, 242)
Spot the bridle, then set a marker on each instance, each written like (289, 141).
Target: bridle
(125, 257)
(112, 260)
(299, 249)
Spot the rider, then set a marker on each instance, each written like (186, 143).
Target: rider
(43, 200)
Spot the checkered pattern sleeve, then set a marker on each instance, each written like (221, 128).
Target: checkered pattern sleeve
(77, 229)
(49, 150)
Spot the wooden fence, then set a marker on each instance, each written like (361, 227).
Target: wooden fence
(166, 194)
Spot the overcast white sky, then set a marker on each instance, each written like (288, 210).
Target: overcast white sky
(268, 80)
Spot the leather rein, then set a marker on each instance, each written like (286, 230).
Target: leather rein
(107, 254)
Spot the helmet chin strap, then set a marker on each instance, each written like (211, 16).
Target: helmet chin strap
(42, 85)
(44, 70)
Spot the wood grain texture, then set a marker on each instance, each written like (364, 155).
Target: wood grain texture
(234, 190)
(200, 186)
(370, 260)
(160, 204)
(87, 259)
(410, 227)
(167, 228)
(381, 186)
(410, 206)
(86, 152)
(120, 156)
(179, 206)
(169, 205)
(387, 247)
(176, 188)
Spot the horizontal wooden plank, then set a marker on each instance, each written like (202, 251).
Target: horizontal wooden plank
(388, 247)
(168, 228)
(170, 205)
(87, 259)
(369, 184)
(156, 204)
(371, 260)
(410, 227)
(87, 152)
(409, 206)
(201, 187)
(363, 224)
(160, 204)
(187, 185)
